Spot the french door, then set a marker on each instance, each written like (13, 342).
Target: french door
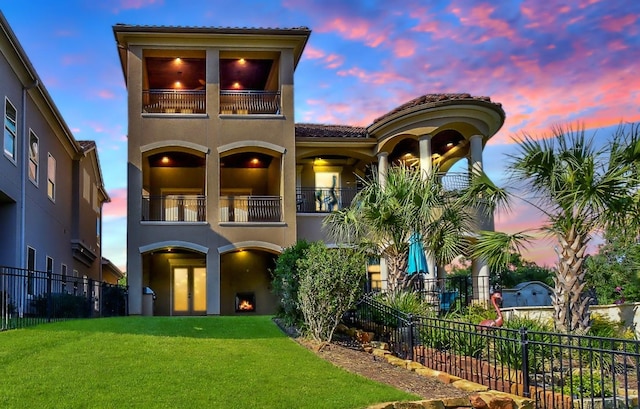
(189, 292)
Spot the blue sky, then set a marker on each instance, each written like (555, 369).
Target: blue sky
(548, 62)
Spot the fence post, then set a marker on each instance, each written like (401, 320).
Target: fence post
(524, 343)
(411, 343)
(49, 297)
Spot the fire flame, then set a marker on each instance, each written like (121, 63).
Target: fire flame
(245, 306)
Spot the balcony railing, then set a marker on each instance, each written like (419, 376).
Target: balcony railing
(323, 200)
(454, 181)
(171, 101)
(249, 102)
(250, 209)
(174, 208)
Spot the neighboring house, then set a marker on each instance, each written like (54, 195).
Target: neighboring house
(110, 272)
(51, 188)
(221, 179)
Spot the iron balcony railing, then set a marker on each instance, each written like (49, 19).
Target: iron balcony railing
(29, 297)
(249, 102)
(555, 370)
(242, 209)
(323, 200)
(174, 208)
(171, 101)
(454, 181)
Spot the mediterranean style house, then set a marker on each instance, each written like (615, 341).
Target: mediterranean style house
(221, 179)
(51, 188)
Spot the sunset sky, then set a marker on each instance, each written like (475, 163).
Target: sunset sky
(548, 62)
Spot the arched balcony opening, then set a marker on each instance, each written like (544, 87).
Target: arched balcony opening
(174, 187)
(250, 187)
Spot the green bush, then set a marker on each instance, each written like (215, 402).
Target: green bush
(331, 282)
(407, 302)
(285, 282)
(114, 301)
(62, 306)
(587, 386)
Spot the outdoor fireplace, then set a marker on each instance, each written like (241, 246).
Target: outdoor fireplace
(245, 302)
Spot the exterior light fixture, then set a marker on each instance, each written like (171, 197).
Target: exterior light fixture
(165, 160)
(449, 144)
(242, 61)
(236, 85)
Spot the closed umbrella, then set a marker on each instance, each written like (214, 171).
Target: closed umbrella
(417, 260)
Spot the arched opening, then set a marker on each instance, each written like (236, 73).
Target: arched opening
(245, 282)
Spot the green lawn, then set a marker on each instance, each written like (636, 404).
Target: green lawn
(162, 362)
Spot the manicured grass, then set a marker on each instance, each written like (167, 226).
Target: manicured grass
(162, 362)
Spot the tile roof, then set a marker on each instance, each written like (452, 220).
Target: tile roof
(330, 131)
(206, 29)
(436, 100)
(87, 145)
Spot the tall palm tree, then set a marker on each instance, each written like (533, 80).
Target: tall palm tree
(579, 188)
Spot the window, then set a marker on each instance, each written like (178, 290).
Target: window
(63, 272)
(31, 266)
(86, 186)
(51, 177)
(98, 229)
(10, 127)
(49, 265)
(34, 158)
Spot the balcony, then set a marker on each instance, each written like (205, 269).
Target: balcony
(174, 208)
(241, 209)
(244, 102)
(323, 200)
(172, 101)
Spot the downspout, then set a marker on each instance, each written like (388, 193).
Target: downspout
(23, 177)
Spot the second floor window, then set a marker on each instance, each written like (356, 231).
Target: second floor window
(34, 158)
(51, 177)
(10, 125)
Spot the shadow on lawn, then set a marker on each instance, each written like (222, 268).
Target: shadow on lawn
(226, 327)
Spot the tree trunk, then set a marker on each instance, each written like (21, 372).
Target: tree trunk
(571, 305)
(396, 271)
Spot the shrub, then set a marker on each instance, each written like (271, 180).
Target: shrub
(285, 282)
(331, 281)
(407, 302)
(62, 306)
(114, 301)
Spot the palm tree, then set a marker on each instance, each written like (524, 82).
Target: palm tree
(580, 189)
(385, 214)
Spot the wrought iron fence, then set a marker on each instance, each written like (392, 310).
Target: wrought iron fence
(443, 294)
(174, 208)
(33, 297)
(323, 200)
(243, 102)
(250, 209)
(555, 370)
(174, 101)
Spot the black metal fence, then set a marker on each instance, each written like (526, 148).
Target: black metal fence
(555, 370)
(34, 297)
(444, 294)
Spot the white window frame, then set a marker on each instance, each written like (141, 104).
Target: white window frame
(51, 177)
(11, 155)
(34, 157)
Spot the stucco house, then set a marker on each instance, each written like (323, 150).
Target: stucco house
(221, 178)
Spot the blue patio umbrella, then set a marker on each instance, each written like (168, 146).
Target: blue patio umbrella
(417, 260)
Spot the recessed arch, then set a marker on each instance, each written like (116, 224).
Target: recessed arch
(174, 143)
(250, 244)
(251, 145)
(173, 244)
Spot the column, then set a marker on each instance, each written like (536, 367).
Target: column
(383, 164)
(426, 162)
(475, 157)
(213, 282)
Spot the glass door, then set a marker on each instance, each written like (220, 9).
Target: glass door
(189, 291)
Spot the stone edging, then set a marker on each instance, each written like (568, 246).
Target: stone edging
(480, 398)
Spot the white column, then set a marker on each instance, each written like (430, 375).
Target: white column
(213, 282)
(383, 164)
(475, 157)
(479, 268)
(426, 162)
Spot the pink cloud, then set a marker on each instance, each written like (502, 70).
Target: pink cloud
(619, 24)
(106, 94)
(136, 4)
(73, 59)
(377, 77)
(312, 53)
(355, 29)
(117, 208)
(404, 47)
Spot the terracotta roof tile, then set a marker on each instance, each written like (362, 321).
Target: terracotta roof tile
(87, 145)
(330, 131)
(435, 100)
